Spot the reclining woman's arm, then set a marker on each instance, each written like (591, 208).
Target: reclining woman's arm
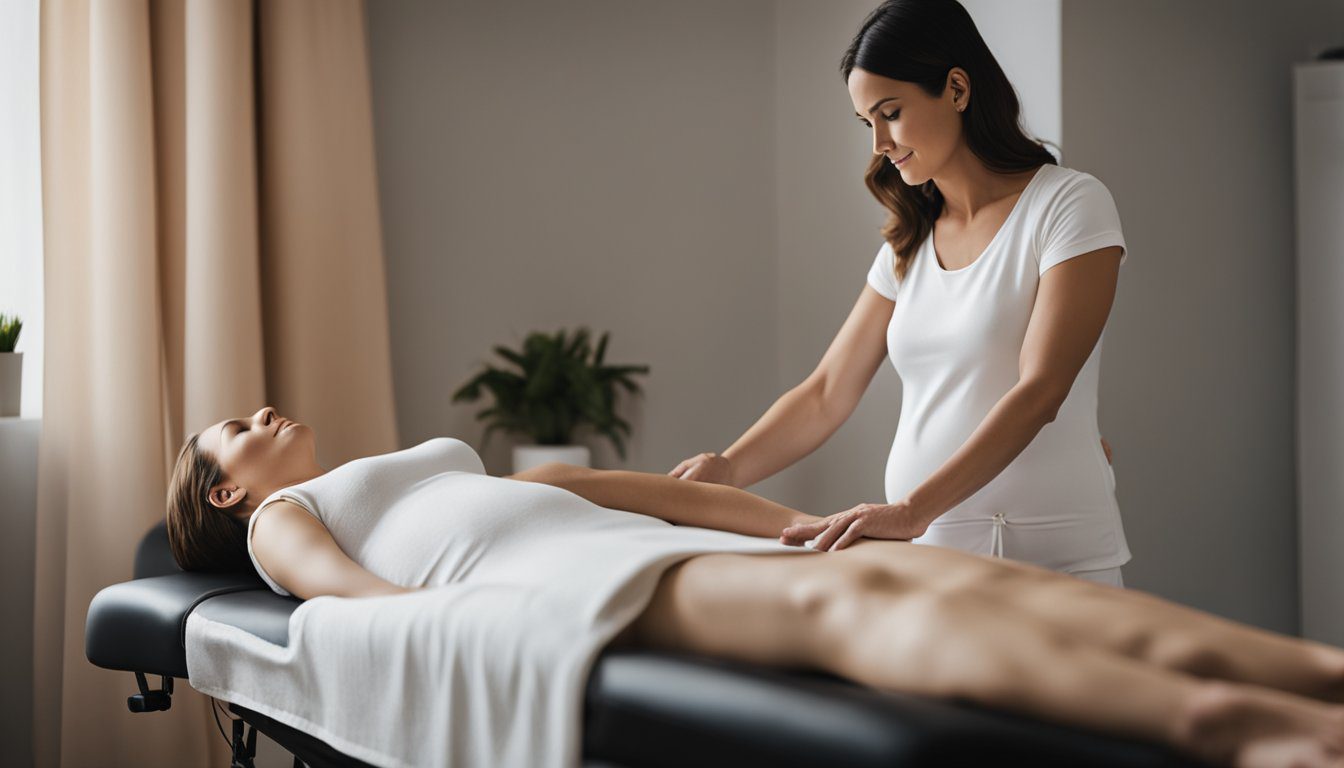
(680, 502)
(299, 554)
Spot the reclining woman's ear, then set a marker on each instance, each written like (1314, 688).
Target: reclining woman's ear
(223, 473)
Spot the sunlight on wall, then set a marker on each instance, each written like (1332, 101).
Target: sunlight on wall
(21, 191)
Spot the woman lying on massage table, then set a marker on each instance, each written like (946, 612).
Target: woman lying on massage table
(889, 614)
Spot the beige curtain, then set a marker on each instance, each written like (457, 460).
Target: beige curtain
(212, 245)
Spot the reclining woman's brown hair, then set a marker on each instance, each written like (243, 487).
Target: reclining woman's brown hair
(202, 537)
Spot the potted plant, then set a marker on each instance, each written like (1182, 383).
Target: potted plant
(11, 365)
(555, 389)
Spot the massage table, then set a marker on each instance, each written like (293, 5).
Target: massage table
(641, 708)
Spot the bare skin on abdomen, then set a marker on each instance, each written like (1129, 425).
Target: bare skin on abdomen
(945, 623)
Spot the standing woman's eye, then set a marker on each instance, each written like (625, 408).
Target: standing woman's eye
(888, 118)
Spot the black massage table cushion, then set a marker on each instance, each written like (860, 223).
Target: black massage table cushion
(641, 708)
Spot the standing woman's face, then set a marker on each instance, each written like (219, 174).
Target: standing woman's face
(907, 122)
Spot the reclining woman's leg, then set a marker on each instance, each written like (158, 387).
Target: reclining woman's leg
(1124, 621)
(1140, 625)
(858, 620)
(1177, 637)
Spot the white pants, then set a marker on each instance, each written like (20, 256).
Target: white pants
(1104, 576)
(986, 536)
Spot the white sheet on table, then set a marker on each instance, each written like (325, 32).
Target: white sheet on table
(463, 674)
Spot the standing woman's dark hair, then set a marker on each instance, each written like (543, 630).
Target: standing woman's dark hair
(920, 41)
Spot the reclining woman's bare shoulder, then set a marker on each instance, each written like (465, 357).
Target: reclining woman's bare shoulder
(299, 554)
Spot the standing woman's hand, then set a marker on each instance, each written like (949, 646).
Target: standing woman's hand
(873, 521)
(707, 468)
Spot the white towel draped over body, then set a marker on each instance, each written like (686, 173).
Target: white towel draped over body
(486, 666)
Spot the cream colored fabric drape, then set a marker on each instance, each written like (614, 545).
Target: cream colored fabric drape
(212, 245)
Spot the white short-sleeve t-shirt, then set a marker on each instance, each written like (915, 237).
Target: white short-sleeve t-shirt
(955, 339)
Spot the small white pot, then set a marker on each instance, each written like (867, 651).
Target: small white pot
(11, 377)
(528, 456)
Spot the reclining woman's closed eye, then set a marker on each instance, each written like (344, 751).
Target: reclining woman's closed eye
(614, 557)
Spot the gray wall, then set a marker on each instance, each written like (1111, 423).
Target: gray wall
(1185, 111)
(546, 165)
(685, 175)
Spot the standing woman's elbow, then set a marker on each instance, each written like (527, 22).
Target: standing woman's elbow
(1046, 398)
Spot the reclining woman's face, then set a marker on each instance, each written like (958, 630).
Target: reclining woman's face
(258, 455)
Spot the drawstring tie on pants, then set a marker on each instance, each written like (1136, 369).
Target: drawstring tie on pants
(996, 542)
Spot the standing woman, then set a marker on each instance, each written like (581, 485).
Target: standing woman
(990, 294)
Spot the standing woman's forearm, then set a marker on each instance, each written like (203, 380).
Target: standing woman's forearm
(793, 427)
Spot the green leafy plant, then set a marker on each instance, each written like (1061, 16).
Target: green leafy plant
(10, 325)
(555, 389)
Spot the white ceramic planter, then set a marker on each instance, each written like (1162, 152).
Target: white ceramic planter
(11, 377)
(528, 456)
